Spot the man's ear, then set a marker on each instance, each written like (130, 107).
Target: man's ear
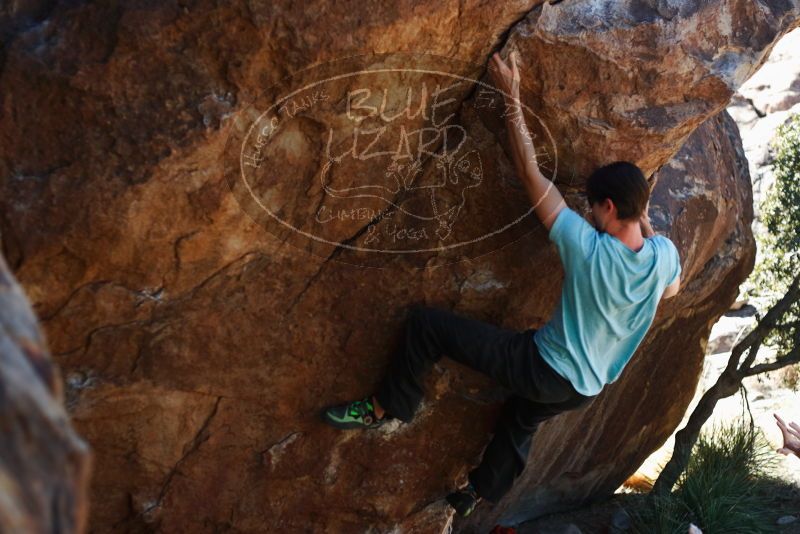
(608, 204)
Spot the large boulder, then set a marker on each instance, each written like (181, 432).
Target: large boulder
(201, 338)
(44, 464)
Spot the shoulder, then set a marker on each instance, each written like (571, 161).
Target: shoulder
(574, 237)
(565, 218)
(668, 257)
(667, 253)
(664, 243)
(561, 215)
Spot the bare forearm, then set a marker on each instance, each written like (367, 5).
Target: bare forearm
(521, 142)
(524, 154)
(516, 156)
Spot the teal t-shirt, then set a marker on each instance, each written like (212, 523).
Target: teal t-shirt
(608, 301)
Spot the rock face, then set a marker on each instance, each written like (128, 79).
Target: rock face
(632, 79)
(202, 340)
(44, 465)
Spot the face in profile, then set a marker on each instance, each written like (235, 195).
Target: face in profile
(599, 216)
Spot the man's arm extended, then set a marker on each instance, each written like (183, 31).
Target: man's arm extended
(546, 199)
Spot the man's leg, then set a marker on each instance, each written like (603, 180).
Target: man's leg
(506, 455)
(430, 333)
(509, 356)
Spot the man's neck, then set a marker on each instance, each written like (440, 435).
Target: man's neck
(630, 233)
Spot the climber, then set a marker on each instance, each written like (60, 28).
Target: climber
(616, 271)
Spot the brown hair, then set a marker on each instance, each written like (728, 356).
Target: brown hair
(624, 183)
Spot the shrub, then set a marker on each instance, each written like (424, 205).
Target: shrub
(725, 488)
(779, 245)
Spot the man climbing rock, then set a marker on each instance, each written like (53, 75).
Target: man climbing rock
(616, 271)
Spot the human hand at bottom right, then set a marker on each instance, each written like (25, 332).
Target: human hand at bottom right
(791, 437)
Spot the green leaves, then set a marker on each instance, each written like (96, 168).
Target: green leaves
(779, 248)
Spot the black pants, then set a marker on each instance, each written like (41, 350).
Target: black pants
(508, 356)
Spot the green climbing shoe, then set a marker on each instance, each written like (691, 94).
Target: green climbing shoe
(356, 414)
(464, 500)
